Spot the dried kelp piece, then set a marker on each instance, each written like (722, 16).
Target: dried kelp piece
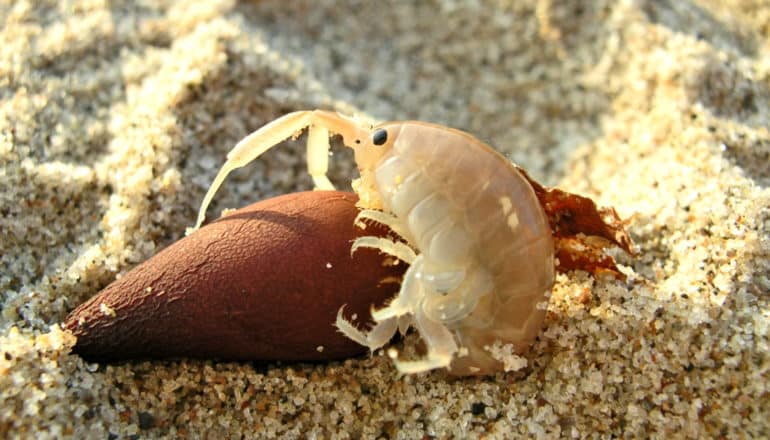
(581, 230)
(263, 282)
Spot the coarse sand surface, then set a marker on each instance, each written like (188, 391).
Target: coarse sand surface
(115, 116)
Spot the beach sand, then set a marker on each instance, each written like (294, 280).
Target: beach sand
(115, 116)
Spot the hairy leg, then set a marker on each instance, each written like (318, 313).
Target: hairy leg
(397, 249)
(383, 218)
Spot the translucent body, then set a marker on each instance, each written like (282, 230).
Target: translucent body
(486, 244)
(477, 241)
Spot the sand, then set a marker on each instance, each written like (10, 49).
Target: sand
(115, 116)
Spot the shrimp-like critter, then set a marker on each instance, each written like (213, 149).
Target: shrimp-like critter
(471, 228)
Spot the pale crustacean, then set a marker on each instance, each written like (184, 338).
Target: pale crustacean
(469, 224)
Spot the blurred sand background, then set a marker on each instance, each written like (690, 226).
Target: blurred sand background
(115, 116)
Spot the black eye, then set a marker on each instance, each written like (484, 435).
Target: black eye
(379, 136)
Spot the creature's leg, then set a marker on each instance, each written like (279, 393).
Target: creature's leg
(383, 218)
(404, 322)
(321, 123)
(378, 336)
(408, 297)
(348, 329)
(318, 157)
(397, 249)
(459, 301)
(385, 326)
(441, 346)
(381, 333)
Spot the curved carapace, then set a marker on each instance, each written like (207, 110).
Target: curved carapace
(487, 265)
